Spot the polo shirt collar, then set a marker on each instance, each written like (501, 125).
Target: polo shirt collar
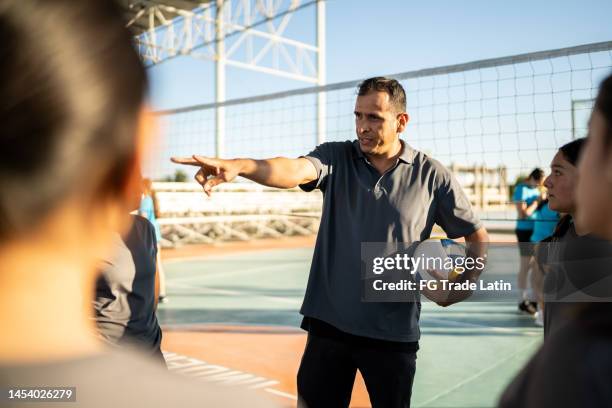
(407, 155)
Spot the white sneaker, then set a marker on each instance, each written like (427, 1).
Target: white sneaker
(539, 318)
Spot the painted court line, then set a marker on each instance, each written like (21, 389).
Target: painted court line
(204, 290)
(202, 371)
(222, 326)
(197, 289)
(527, 332)
(281, 394)
(244, 271)
(216, 257)
(238, 254)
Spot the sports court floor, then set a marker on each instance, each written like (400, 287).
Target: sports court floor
(233, 318)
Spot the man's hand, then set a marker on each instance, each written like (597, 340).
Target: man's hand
(212, 171)
(443, 296)
(477, 244)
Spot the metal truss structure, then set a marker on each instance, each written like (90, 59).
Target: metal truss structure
(248, 34)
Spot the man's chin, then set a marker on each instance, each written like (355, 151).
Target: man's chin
(367, 148)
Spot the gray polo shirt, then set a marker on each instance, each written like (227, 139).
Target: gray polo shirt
(361, 205)
(125, 290)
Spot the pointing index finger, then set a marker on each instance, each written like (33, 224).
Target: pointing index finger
(190, 161)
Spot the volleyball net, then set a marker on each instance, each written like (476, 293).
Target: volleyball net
(491, 121)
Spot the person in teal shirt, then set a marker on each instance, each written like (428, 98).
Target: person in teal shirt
(544, 222)
(526, 197)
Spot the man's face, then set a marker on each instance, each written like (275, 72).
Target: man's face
(377, 123)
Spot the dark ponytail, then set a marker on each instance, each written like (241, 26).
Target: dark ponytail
(563, 225)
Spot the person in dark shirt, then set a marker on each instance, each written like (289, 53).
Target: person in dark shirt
(561, 185)
(573, 368)
(126, 298)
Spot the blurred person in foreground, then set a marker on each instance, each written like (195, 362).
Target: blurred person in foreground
(74, 129)
(148, 209)
(574, 366)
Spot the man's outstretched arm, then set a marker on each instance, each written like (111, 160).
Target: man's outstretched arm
(280, 172)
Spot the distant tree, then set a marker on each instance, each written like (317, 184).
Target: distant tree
(180, 176)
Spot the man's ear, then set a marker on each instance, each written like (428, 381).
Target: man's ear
(402, 121)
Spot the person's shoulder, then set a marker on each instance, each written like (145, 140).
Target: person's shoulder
(126, 379)
(142, 224)
(343, 146)
(335, 145)
(432, 166)
(423, 159)
(519, 192)
(142, 228)
(534, 191)
(334, 152)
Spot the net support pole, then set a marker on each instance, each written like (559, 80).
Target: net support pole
(321, 95)
(219, 79)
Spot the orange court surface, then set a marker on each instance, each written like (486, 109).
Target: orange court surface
(233, 317)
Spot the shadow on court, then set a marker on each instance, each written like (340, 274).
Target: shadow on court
(239, 313)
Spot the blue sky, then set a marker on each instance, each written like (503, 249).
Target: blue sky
(502, 120)
(366, 38)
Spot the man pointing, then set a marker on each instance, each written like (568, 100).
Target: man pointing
(376, 189)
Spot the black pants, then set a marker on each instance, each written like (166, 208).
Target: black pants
(524, 241)
(328, 368)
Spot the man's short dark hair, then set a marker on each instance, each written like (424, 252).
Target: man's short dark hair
(397, 95)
